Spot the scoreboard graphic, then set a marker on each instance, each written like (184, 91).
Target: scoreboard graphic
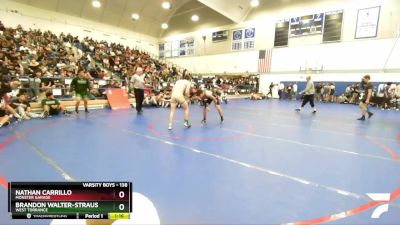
(306, 25)
(69, 200)
(220, 35)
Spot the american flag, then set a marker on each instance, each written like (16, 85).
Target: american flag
(264, 61)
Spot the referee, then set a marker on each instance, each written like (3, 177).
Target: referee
(138, 83)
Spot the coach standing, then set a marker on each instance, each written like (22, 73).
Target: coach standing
(138, 83)
(308, 95)
(81, 86)
(367, 86)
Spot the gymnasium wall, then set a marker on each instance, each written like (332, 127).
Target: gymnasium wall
(365, 55)
(35, 18)
(229, 63)
(348, 56)
(389, 21)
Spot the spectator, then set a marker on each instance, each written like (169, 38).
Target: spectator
(52, 106)
(294, 91)
(22, 106)
(281, 90)
(318, 92)
(35, 85)
(271, 86)
(342, 99)
(398, 96)
(33, 66)
(160, 99)
(289, 91)
(151, 100)
(4, 118)
(256, 96)
(167, 98)
(332, 92)
(326, 92)
(347, 91)
(94, 72)
(354, 94)
(15, 86)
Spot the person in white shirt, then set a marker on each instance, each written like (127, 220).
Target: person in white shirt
(348, 89)
(138, 83)
(180, 94)
(398, 91)
(294, 90)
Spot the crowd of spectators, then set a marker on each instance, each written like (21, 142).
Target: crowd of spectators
(34, 63)
(325, 92)
(384, 96)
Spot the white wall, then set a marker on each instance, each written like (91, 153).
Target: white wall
(31, 17)
(355, 55)
(224, 63)
(347, 56)
(264, 22)
(350, 54)
(389, 21)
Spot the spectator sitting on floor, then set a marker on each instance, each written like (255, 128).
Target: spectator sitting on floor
(342, 99)
(398, 91)
(22, 106)
(52, 106)
(160, 98)
(354, 92)
(4, 118)
(167, 99)
(398, 96)
(95, 91)
(224, 97)
(256, 96)
(150, 100)
(5, 89)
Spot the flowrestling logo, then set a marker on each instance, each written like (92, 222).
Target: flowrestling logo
(380, 197)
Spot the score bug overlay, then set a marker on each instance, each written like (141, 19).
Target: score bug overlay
(69, 200)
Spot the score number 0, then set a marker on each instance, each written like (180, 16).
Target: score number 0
(121, 195)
